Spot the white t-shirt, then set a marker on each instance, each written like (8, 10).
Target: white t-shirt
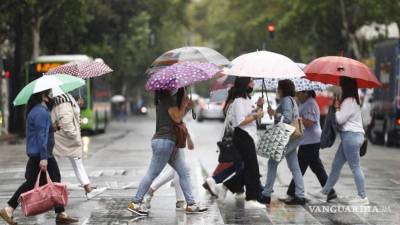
(349, 117)
(241, 108)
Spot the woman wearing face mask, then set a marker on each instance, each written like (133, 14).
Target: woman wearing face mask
(348, 116)
(287, 111)
(308, 153)
(170, 109)
(244, 116)
(39, 149)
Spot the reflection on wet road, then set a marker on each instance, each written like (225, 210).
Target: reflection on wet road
(119, 158)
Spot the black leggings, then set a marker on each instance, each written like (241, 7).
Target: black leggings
(308, 156)
(31, 173)
(250, 175)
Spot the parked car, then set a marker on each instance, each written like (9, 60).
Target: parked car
(210, 110)
(266, 120)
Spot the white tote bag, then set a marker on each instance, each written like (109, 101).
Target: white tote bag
(273, 142)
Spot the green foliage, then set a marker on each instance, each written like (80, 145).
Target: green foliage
(120, 31)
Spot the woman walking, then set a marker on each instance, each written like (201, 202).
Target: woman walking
(170, 109)
(68, 141)
(229, 159)
(167, 175)
(39, 149)
(308, 154)
(348, 116)
(287, 111)
(244, 116)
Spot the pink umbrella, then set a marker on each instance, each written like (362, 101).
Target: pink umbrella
(82, 69)
(181, 75)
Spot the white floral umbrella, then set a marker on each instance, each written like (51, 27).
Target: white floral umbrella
(264, 64)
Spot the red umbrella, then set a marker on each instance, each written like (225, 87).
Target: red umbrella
(329, 69)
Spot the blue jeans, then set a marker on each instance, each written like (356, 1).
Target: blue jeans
(162, 152)
(293, 164)
(349, 150)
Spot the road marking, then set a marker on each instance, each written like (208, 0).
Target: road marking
(395, 181)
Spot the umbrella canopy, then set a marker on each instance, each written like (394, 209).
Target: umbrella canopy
(83, 69)
(221, 83)
(184, 54)
(264, 64)
(181, 75)
(329, 69)
(64, 82)
(301, 84)
(117, 98)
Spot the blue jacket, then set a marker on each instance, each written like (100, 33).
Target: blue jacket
(39, 133)
(289, 110)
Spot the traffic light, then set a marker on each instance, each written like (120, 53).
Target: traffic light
(271, 30)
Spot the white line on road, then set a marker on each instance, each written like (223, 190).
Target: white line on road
(395, 181)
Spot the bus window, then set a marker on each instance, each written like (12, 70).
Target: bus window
(81, 93)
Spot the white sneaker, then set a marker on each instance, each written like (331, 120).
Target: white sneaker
(212, 185)
(147, 200)
(180, 205)
(319, 195)
(358, 201)
(285, 198)
(195, 209)
(95, 192)
(221, 192)
(240, 196)
(138, 208)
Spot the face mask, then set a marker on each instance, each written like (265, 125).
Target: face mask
(50, 103)
(249, 90)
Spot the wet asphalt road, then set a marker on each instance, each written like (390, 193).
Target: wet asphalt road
(118, 159)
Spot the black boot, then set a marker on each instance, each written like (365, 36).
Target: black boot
(332, 195)
(296, 201)
(266, 200)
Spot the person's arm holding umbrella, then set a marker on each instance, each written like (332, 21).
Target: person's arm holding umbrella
(64, 119)
(177, 113)
(242, 115)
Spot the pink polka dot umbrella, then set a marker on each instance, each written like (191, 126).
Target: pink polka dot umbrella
(181, 75)
(82, 69)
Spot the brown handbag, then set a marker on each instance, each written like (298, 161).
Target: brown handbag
(299, 131)
(181, 135)
(297, 123)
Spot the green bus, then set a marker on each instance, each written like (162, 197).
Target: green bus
(96, 106)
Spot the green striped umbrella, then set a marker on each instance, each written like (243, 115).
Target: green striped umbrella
(64, 82)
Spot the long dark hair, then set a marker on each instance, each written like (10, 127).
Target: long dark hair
(311, 93)
(179, 96)
(287, 87)
(240, 88)
(229, 99)
(35, 99)
(349, 89)
(159, 95)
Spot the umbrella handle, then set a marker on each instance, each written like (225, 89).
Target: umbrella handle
(263, 86)
(194, 116)
(266, 94)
